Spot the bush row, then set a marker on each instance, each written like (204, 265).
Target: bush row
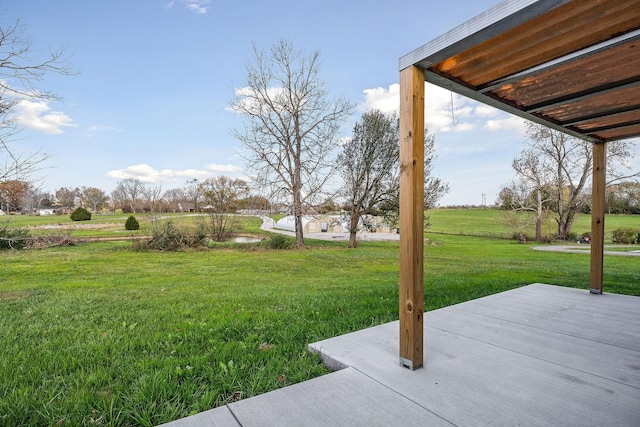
(626, 235)
(171, 236)
(166, 235)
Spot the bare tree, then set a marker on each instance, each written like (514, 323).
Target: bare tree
(223, 194)
(624, 198)
(130, 191)
(152, 196)
(117, 199)
(531, 191)
(193, 191)
(93, 197)
(434, 187)
(174, 198)
(66, 197)
(561, 165)
(34, 198)
(256, 202)
(291, 125)
(369, 165)
(18, 75)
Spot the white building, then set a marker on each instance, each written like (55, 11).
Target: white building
(329, 224)
(46, 211)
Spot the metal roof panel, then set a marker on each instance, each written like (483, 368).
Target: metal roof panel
(573, 65)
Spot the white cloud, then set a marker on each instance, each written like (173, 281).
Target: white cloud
(38, 115)
(93, 130)
(483, 110)
(213, 167)
(197, 6)
(146, 173)
(143, 172)
(385, 100)
(446, 111)
(508, 123)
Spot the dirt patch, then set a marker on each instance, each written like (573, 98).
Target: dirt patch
(13, 296)
(77, 226)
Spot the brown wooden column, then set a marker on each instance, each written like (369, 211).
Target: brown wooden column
(411, 216)
(598, 205)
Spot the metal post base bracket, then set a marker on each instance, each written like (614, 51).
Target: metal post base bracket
(595, 291)
(408, 364)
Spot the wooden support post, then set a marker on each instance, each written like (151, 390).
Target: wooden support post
(411, 216)
(598, 207)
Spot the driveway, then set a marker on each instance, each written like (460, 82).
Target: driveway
(582, 249)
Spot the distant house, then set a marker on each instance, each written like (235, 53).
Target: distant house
(187, 207)
(49, 210)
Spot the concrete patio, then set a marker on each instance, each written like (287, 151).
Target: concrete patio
(539, 355)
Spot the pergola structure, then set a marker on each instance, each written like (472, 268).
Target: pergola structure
(571, 65)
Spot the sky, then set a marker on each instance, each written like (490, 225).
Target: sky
(155, 78)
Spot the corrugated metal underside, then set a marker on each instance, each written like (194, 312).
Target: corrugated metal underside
(573, 64)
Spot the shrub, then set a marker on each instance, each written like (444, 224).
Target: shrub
(520, 237)
(132, 223)
(13, 238)
(546, 239)
(222, 226)
(170, 236)
(80, 214)
(279, 241)
(572, 236)
(626, 235)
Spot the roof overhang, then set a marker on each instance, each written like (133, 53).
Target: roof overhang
(573, 65)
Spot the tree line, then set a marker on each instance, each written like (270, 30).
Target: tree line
(220, 194)
(292, 141)
(552, 181)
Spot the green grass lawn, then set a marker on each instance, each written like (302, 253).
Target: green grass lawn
(99, 334)
(112, 226)
(487, 222)
(471, 222)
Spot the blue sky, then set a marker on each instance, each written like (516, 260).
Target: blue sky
(156, 77)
